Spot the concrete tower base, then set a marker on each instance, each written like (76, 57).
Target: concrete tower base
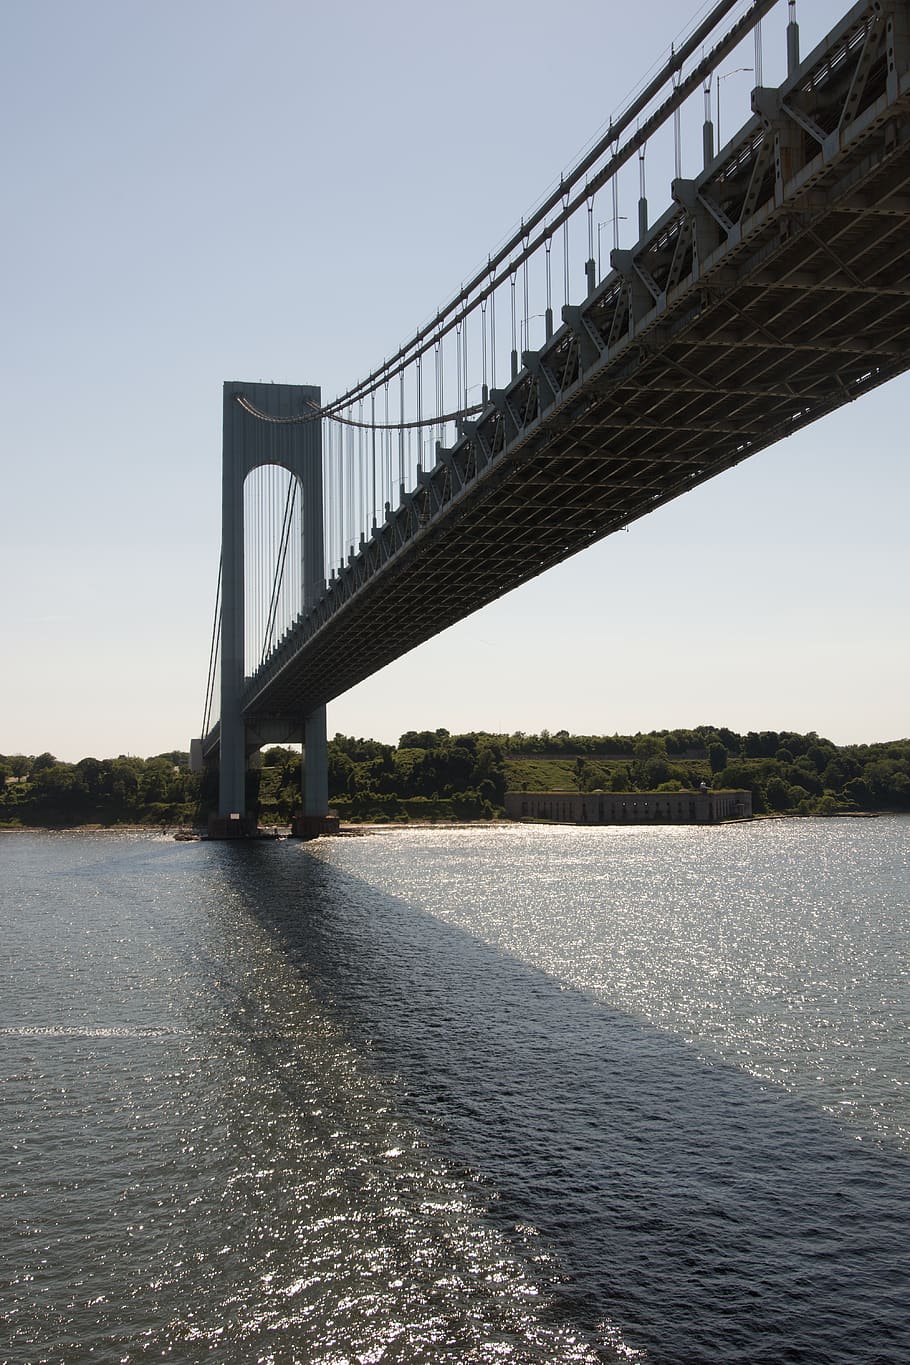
(312, 826)
(232, 826)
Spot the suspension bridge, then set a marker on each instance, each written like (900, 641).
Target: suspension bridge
(572, 386)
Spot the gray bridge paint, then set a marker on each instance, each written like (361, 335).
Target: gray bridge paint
(775, 289)
(248, 443)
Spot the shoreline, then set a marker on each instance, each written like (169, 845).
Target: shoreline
(359, 829)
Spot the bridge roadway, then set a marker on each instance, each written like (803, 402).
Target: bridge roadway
(775, 289)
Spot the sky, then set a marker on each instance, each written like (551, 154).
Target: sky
(210, 190)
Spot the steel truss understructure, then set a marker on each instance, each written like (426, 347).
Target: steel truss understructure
(775, 289)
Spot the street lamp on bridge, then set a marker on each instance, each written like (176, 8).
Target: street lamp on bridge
(726, 75)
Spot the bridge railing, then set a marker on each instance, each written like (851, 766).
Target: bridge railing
(694, 254)
(590, 240)
(381, 435)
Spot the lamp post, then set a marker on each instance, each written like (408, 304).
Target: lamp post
(735, 72)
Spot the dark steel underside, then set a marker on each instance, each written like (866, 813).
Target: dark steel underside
(774, 290)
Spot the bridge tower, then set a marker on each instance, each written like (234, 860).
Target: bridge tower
(267, 424)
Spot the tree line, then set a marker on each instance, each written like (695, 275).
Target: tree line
(42, 790)
(432, 774)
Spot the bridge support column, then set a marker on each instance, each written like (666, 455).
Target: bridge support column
(232, 817)
(315, 819)
(315, 777)
(263, 424)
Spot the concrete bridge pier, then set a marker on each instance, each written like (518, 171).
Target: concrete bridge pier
(314, 777)
(232, 819)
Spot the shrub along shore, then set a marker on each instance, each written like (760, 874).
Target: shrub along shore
(434, 775)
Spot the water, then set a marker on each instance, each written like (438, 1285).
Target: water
(519, 1094)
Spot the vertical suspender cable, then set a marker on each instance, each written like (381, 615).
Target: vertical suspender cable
(281, 550)
(614, 188)
(271, 561)
(361, 476)
(459, 377)
(349, 498)
(387, 462)
(483, 337)
(493, 339)
(758, 53)
(677, 136)
(279, 607)
(213, 650)
(341, 492)
(373, 434)
(262, 505)
(419, 409)
(251, 575)
(328, 466)
(328, 498)
(267, 566)
(280, 613)
(440, 394)
(565, 251)
(263, 552)
(401, 433)
(249, 561)
(339, 484)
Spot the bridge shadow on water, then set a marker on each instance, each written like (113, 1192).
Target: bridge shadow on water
(710, 1216)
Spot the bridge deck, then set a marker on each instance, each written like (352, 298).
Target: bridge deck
(774, 290)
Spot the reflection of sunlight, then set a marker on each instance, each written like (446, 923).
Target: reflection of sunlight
(746, 942)
(626, 1149)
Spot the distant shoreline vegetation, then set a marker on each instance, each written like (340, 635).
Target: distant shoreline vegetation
(435, 775)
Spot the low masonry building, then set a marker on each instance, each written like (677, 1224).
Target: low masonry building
(701, 807)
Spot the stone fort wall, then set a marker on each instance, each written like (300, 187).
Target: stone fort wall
(700, 807)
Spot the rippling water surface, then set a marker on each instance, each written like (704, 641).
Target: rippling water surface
(519, 1094)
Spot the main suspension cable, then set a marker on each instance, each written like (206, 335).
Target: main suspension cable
(323, 414)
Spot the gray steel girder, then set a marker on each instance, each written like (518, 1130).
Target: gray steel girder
(774, 290)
